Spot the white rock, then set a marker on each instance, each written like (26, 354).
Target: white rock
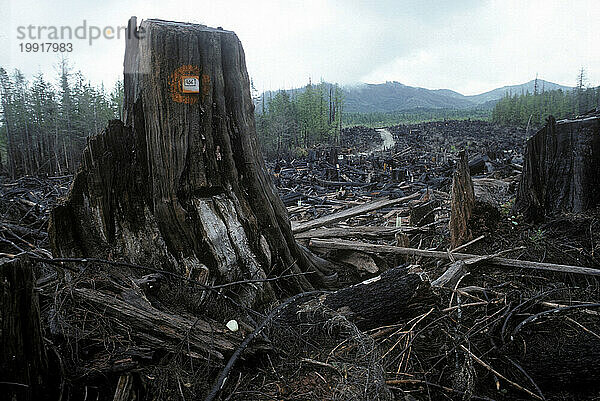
(232, 325)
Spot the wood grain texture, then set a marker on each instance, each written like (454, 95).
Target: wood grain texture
(23, 359)
(462, 202)
(181, 183)
(560, 172)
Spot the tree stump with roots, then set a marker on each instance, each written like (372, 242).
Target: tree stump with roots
(180, 184)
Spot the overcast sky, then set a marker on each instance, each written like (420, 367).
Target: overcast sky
(468, 46)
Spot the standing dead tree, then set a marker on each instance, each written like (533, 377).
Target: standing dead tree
(180, 184)
(463, 200)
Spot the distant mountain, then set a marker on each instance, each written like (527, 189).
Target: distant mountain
(394, 96)
(499, 93)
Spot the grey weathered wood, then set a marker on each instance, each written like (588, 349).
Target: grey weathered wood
(325, 245)
(351, 212)
(452, 274)
(123, 390)
(151, 327)
(181, 183)
(23, 359)
(560, 172)
(462, 202)
(369, 232)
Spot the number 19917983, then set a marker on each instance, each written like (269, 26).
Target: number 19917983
(46, 47)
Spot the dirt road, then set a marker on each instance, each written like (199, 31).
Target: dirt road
(388, 139)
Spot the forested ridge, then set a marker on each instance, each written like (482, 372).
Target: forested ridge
(45, 120)
(534, 108)
(291, 121)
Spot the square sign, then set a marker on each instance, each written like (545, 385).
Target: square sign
(190, 84)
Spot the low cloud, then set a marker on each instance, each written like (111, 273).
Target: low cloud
(468, 46)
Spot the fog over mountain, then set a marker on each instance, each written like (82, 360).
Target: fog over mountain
(468, 46)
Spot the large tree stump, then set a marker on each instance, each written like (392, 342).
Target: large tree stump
(23, 360)
(181, 183)
(560, 172)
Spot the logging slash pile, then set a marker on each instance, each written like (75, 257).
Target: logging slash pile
(424, 270)
(24, 211)
(410, 320)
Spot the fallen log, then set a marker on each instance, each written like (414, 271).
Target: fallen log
(327, 245)
(451, 276)
(351, 212)
(136, 318)
(326, 183)
(368, 232)
(397, 293)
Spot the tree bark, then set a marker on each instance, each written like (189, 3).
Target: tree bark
(382, 300)
(181, 183)
(23, 360)
(463, 200)
(560, 172)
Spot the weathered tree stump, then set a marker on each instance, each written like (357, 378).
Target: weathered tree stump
(181, 183)
(560, 172)
(463, 200)
(23, 360)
